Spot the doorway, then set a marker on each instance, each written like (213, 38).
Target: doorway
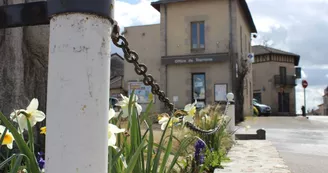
(283, 102)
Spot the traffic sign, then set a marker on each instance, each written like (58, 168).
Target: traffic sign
(304, 83)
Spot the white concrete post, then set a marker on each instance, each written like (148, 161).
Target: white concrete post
(78, 94)
(231, 113)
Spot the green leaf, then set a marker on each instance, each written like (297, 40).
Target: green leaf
(4, 163)
(146, 113)
(135, 158)
(167, 152)
(110, 160)
(159, 150)
(17, 164)
(184, 144)
(30, 135)
(21, 144)
(150, 148)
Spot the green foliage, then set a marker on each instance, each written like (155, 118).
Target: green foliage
(26, 148)
(139, 149)
(213, 160)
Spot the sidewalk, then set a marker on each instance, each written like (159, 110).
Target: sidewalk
(254, 156)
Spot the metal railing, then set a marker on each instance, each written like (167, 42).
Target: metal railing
(287, 80)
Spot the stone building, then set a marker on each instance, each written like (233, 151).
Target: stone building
(274, 79)
(188, 51)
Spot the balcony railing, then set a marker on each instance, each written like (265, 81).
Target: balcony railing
(286, 80)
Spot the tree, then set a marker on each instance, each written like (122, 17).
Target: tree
(243, 70)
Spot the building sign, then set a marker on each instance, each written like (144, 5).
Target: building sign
(194, 59)
(220, 92)
(142, 91)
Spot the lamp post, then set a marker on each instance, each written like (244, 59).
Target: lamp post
(78, 86)
(230, 112)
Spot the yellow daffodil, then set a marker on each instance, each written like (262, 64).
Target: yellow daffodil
(43, 130)
(32, 114)
(112, 130)
(191, 110)
(124, 104)
(164, 119)
(8, 137)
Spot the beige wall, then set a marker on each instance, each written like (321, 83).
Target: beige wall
(151, 47)
(263, 77)
(243, 47)
(180, 80)
(145, 40)
(179, 16)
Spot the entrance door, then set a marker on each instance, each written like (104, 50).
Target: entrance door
(283, 101)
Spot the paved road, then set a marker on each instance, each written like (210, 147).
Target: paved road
(301, 142)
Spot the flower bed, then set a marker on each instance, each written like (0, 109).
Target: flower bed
(187, 140)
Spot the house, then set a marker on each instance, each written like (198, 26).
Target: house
(188, 52)
(320, 110)
(116, 76)
(274, 79)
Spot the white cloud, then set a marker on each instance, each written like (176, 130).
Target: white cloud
(313, 97)
(141, 13)
(303, 74)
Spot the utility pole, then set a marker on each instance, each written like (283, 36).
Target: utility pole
(78, 79)
(78, 86)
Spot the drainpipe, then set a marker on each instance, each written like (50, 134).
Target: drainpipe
(78, 86)
(231, 47)
(165, 35)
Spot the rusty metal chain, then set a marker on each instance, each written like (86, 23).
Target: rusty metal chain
(141, 69)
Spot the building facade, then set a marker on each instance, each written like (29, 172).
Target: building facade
(116, 76)
(194, 50)
(325, 102)
(274, 79)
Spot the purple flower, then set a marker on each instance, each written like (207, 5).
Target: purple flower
(41, 163)
(40, 159)
(199, 146)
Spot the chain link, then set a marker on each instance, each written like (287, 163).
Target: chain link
(141, 69)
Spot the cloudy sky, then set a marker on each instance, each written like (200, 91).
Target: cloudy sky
(298, 26)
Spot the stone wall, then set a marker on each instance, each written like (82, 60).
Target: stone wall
(24, 66)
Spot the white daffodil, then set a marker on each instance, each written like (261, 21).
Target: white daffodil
(206, 118)
(8, 137)
(124, 104)
(112, 130)
(164, 119)
(32, 114)
(191, 110)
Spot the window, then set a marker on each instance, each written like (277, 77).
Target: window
(283, 74)
(197, 35)
(198, 87)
